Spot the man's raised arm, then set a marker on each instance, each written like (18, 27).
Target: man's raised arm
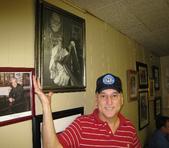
(49, 137)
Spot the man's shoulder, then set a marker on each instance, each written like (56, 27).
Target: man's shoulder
(158, 134)
(158, 140)
(88, 117)
(19, 86)
(124, 119)
(125, 122)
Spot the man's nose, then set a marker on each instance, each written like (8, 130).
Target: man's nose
(109, 100)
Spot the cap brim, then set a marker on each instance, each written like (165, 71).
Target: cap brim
(108, 87)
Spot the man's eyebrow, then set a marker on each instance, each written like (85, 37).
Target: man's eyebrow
(115, 93)
(112, 93)
(102, 93)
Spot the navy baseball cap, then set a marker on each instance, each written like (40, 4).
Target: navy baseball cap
(108, 81)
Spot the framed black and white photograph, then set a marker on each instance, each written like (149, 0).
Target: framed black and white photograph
(61, 120)
(132, 85)
(156, 78)
(157, 107)
(142, 75)
(143, 109)
(60, 49)
(16, 95)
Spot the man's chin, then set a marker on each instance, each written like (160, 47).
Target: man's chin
(109, 115)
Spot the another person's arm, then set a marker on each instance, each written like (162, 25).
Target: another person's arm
(11, 99)
(48, 131)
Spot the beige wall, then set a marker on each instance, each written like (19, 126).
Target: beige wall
(165, 84)
(106, 51)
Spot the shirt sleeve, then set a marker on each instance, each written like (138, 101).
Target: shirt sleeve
(136, 141)
(71, 136)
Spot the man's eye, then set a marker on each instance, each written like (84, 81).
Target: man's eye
(102, 96)
(114, 96)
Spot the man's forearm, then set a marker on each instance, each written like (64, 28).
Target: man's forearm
(48, 131)
(49, 137)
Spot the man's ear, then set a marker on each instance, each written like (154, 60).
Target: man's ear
(96, 98)
(122, 98)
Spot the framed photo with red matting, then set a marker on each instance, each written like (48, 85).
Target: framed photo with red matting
(16, 95)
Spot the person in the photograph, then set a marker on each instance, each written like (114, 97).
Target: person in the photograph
(143, 77)
(16, 95)
(63, 61)
(160, 137)
(58, 73)
(106, 127)
(133, 85)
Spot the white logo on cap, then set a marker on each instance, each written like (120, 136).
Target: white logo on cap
(108, 80)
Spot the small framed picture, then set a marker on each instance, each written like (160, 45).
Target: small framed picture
(142, 75)
(143, 109)
(157, 107)
(156, 77)
(16, 95)
(151, 89)
(132, 85)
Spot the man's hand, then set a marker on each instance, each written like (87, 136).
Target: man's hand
(45, 99)
(11, 100)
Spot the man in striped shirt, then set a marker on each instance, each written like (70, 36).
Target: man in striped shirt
(106, 127)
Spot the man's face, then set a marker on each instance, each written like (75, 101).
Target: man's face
(55, 23)
(109, 103)
(13, 82)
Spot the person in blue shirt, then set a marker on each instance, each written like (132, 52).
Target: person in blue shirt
(160, 138)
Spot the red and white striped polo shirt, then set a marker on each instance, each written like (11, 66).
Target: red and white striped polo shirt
(88, 131)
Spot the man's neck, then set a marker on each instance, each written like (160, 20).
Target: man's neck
(113, 122)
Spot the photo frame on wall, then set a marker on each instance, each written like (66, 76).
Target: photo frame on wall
(143, 109)
(132, 85)
(151, 89)
(16, 95)
(60, 49)
(156, 77)
(142, 75)
(157, 107)
(61, 120)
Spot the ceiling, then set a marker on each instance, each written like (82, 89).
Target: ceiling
(145, 21)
